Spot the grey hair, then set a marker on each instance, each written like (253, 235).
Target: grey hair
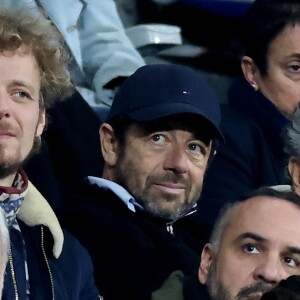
(226, 212)
(291, 135)
(222, 224)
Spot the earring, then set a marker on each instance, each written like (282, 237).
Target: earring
(254, 86)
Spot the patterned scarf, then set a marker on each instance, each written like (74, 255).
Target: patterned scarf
(12, 197)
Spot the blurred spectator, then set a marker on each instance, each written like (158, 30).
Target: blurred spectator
(260, 105)
(217, 33)
(292, 149)
(235, 8)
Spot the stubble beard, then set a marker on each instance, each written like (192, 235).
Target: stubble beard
(10, 165)
(124, 174)
(218, 291)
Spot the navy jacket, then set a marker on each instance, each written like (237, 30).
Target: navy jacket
(71, 272)
(133, 253)
(59, 267)
(252, 155)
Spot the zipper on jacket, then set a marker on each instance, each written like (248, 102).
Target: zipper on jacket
(170, 228)
(47, 263)
(12, 271)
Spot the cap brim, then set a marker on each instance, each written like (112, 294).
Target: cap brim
(162, 110)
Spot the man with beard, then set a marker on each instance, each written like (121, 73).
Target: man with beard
(44, 261)
(159, 137)
(254, 245)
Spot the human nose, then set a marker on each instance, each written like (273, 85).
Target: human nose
(270, 271)
(4, 107)
(176, 160)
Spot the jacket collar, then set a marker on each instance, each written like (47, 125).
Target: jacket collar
(35, 210)
(261, 110)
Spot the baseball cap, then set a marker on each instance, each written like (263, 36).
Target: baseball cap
(161, 90)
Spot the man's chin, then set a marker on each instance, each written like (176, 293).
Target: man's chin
(8, 169)
(169, 211)
(255, 296)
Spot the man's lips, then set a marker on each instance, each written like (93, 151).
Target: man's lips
(170, 187)
(6, 134)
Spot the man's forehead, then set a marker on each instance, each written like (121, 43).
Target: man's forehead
(266, 216)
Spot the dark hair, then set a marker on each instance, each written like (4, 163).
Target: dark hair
(264, 21)
(225, 214)
(287, 195)
(121, 125)
(291, 135)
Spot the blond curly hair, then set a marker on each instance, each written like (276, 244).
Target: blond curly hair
(25, 29)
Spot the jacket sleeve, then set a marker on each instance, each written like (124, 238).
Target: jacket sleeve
(76, 264)
(107, 53)
(172, 288)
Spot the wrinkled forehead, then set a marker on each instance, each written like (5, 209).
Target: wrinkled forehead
(271, 218)
(195, 124)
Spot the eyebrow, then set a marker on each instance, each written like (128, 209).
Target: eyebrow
(294, 55)
(22, 84)
(250, 235)
(258, 238)
(293, 250)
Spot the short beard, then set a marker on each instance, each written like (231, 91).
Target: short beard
(153, 208)
(258, 287)
(218, 291)
(7, 169)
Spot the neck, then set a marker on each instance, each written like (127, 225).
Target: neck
(8, 180)
(107, 173)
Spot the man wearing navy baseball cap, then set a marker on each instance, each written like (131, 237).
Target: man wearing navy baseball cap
(157, 141)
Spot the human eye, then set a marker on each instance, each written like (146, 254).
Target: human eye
(197, 150)
(158, 139)
(21, 96)
(294, 67)
(290, 261)
(250, 248)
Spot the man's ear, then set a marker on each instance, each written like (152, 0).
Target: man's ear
(41, 122)
(109, 144)
(206, 260)
(294, 170)
(250, 71)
